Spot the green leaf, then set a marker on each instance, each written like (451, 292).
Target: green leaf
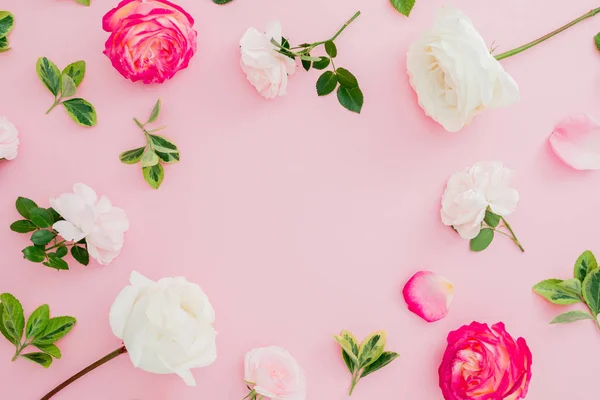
(50, 349)
(591, 291)
(331, 49)
(56, 262)
(571, 316)
(12, 316)
(7, 21)
(49, 74)
(349, 345)
(346, 78)
(42, 359)
(386, 358)
(162, 144)
(326, 83)
(84, 2)
(149, 158)
(351, 99)
(4, 45)
(24, 205)
(154, 175)
(348, 361)
(597, 41)
(37, 321)
(81, 255)
(23, 226)
(155, 112)
(306, 64)
(557, 291)
(81, 111)
(42, 237)
(61, 251)
(132, 156)
(491, 219)
(76, 71)
(3, 329)
(41, 217)
(482, 240)
(585, 264)
(222, 1)
(55, 216)
(67, 86)
(404, 6)
(168, 158)
(371, 349)
(56, 329)
(34, 254)
(322, 63)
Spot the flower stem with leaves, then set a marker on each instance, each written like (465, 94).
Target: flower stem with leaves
(63, 85)
(349, 94)
(41, 331)
(490, 226)
(158, 149)
(7, 21)
(47, 248)
(366, 358)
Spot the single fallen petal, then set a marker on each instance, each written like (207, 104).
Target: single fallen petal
(428, 295)
(576, 141)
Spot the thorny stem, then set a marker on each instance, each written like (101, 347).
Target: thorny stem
(529, 45)
(84, 371)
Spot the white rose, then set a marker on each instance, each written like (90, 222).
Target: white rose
(454, 74)
(9, 139)
(470, 192)
(265, 67)
(167, 326)
(102, 225)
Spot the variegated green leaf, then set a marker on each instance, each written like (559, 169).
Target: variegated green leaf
(37, 321)
(371, 348)
(557, 292)
(55, 330)
(585, 264)
(12, 316)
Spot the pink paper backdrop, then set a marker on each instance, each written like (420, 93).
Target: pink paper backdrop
(298, 218)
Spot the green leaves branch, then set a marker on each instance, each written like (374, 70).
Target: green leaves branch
(349, 94)
(583, 287)
(366, 358)
(492, 224)
(64, 84)
(7, 22)
(158, 149)
(47, 247)
(41, 331)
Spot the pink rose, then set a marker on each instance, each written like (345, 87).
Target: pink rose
(150, 39)
(273, 373)
(485, 364)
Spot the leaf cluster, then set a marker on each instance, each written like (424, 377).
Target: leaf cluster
(489, 228)
(583, 287)
(158, 150)
(7, 22)
(46, 247)
(365, 358)
(41, 331)
(63, 84)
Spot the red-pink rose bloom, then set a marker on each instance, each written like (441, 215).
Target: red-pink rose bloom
(150, 39)
(483, 363)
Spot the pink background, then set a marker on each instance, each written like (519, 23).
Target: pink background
(299, 218)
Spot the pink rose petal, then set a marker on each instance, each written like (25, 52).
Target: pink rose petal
(428, 295)
(576, 141)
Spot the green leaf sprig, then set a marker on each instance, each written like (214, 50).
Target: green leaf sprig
(41, 331)
(492, 224)
(47, 247)
(349, 93)
(597, 41)
(366, 358)
(84, 2)
(583, 287)
(158, 149)
(64, 84)
(403, 6)
(7, 21)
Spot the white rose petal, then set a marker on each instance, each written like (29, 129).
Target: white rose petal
(9, 139)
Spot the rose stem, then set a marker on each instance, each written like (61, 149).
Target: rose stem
(338, 33)
(513, 234)
(548, 36)
(84, 371)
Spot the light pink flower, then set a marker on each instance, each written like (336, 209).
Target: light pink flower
(471, 191)
(150, 39)
(97, 221)
(485, 364)
(428, 295)
(272, 372)
(265, 67)
(576, 141)
(9, 139)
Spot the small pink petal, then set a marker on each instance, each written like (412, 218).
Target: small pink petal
(576, 141)
(428, 295)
